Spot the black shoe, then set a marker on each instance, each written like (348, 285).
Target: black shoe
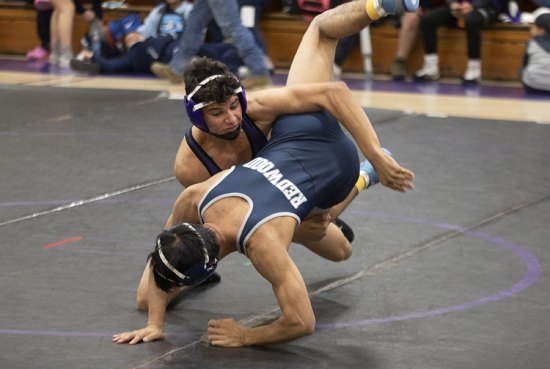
(470, 82)
(346, 229)
(84, 66)
(214, 278)
(398, 70)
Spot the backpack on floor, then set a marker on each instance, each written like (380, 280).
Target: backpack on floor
(117, 29)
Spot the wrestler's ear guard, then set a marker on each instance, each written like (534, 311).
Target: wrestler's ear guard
(194, 110)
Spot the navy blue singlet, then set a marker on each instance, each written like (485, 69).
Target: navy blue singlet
(309, 162)
(255, 136)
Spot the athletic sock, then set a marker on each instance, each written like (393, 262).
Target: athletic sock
(361, 184)
(374, 9)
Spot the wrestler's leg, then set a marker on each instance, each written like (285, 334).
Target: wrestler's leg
(367, 178)
(315, 55)
(334, 246)
(314, 58)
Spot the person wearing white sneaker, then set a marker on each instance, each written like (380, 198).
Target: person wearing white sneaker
(430, 69)
(473, 72)
(472, 16)
(61, 32)
(217, 106)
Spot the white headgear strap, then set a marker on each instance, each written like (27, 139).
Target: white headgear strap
(202, 83)
(173, 269)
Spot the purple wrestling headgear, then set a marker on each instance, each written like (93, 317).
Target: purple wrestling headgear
(194, 110)
(196, 273)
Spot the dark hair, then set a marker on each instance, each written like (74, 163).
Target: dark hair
(183, 246)
(543, 21)
(217, 90)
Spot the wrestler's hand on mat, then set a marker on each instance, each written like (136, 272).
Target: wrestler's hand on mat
(150, 333)
(225, 333)
(313, 228)
(393, 175)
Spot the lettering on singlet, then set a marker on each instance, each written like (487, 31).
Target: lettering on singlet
(275, 177)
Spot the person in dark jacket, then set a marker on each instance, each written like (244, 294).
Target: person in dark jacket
(472, 16)
(535, 74)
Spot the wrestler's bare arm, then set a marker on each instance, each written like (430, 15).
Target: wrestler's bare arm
(153, 300)
(149, 296)
(187, 168)
(185, 207)
(269, 255)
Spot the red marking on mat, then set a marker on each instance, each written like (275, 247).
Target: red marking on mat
(62, 242)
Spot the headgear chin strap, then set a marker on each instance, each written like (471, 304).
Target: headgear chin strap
(194, 110)
(196, 273)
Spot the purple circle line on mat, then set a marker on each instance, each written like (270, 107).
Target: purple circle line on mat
(531, 276)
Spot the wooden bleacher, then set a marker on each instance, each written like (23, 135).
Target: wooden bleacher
(502, 46)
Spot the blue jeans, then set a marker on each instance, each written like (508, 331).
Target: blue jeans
(542, 3)
(226, 13)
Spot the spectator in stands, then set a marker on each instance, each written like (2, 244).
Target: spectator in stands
(409, 24)
(44, 12)
(156, 40)
(535, 74)
(96, 14)
(257, 7)
(126, 45)
(344, 49)
(43, 18)
(227, 16)
(61, 28)
(473, 17)
(408, 31)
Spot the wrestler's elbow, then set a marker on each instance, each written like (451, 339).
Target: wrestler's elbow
(142, 303)
(300, 326)
(307, 327)
(337, 87)
(337, 92)
(179, 172)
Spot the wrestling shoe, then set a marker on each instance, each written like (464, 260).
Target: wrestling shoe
(345, 228)
(85, 66)
(366, 170)
(214, 278)
(380, 8)
(163, 71)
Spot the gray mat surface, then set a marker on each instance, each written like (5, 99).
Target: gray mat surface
(451, 275)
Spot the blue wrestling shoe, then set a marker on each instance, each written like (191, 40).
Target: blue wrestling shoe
(380, 8)
(366, 170)
(397, 6)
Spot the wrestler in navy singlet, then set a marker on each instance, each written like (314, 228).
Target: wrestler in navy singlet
(309, 162)
(255, 136)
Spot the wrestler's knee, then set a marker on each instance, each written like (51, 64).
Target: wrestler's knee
(345, 252)
(341, 252)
